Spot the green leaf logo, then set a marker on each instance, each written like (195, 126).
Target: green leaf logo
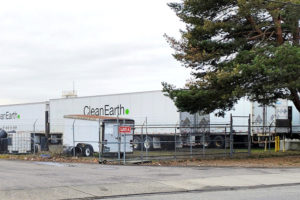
(19, 116)
(127, 111)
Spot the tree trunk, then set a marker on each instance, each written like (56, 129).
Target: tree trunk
(277, 22)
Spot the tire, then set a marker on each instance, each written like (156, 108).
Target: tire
(137, 141)
(148, 143)
(69, 151)
(207, 142)
(88, 151)
(219, 142)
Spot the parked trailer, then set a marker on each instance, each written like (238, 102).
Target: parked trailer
(24, 117)
(151, 107)
(145, 108)
(86, 134)
(23, 122)
(156, 118)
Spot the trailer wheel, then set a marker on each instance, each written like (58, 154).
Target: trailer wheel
(88, 151)
(219, 142)
(137, 141)
(148, 143)
(70, 151)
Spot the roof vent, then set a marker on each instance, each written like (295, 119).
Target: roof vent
(69, 94)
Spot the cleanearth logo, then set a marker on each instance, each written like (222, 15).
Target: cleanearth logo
(9, 115)
(106, 110)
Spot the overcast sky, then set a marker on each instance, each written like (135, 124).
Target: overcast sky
(104, 46)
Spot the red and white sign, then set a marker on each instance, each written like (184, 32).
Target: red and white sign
(125, 129)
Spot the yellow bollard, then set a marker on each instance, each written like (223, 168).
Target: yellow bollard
(277, 144)
(283, 146)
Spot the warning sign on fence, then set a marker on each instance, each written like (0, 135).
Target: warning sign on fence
(125, 129)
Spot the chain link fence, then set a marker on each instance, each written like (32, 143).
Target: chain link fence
(145, 142)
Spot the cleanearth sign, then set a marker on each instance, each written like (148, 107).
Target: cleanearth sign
(9, 115)
(106, 110)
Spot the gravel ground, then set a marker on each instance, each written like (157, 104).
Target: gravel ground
(257, 159)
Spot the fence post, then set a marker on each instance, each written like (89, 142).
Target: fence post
(225, 141)
(34, 136)
(175, 144)
(73, 127)
(269, 137)
(124, 153)
(203, 144)
(249, 136)
(100, 142)
(231, 136)
(119, 144)
(142, 143)
(147, 138)
(191, 146)
(283, 143)
(124, 140)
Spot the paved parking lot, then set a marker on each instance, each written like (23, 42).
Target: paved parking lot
(42, 180)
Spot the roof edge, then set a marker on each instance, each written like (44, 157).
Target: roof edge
(150, 91)
(21, 104)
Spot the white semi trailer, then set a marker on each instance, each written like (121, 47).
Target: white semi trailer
(24, 117)
(25, 125)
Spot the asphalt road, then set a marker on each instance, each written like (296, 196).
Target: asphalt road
(273, 193)
(49, 181)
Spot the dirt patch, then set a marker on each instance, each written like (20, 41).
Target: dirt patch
(270, 160)
(50, 158)
(289, 161)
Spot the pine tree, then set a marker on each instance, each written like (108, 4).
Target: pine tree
(237, 48)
